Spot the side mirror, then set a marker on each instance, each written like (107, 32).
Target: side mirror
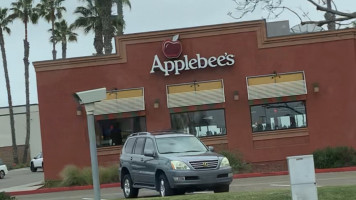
(149, 153)
(211, 148)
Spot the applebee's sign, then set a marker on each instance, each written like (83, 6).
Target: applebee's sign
(172, 49)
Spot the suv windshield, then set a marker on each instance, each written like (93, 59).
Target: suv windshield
(179, 145)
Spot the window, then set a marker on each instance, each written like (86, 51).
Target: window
(129, 145)
(200, 123)
(149, 146)
(139, 146)
(112, 132)
(179, 145)
(276, 116)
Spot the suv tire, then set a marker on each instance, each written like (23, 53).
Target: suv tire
(222, 188)
(129, 190)
(2, 174)
(164, 188)
(33, 168)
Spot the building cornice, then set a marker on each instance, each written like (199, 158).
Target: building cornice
(258, 26)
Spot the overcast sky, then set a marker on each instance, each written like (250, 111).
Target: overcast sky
(144, 16)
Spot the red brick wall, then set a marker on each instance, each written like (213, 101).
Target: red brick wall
(271, 166)
(6, 154)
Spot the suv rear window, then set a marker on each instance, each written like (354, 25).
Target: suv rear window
(129, 145)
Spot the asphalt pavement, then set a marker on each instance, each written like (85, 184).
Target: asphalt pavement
(22, 180)
(238, 185)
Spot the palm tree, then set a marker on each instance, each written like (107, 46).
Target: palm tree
(5, 20)
(120, 12)
(63, 33)
(51, 10)
(23, 10)
(89, 20)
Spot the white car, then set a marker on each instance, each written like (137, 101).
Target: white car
(3, 170)
(37, 162)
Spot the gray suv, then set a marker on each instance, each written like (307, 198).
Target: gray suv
(172, 164)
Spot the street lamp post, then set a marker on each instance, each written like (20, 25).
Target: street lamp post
(88, 98)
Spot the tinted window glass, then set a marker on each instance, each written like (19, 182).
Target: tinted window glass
(179, 145)
(112, 132)
(139, 146)
(275, 116)
(149, 146)
(129, 145)
(200, 123)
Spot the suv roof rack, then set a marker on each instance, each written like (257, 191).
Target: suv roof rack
(139, 133)
(165, 131)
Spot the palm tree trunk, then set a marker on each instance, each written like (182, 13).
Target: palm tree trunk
(120, 12)
(98, 41)
(9, 98)
(54, 52)
(105, 16)
(28, 124)
(64, 49)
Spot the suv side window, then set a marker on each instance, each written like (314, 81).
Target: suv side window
(129, 145)
(139, 146)
(149, 146)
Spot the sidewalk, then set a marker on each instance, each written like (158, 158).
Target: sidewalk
(35, 188)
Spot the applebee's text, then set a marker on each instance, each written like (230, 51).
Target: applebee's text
(176, 66)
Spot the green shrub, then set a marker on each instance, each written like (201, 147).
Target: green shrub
(109, 174)
(72, 175)
(333, 157)
(237, 163)
(4, 196)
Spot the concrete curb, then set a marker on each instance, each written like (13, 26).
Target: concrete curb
(111, 185)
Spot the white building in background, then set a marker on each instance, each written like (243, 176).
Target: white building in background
(20, 128)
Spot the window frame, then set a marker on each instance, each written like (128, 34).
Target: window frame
(255, 133)
(99, 129)
(206, 136)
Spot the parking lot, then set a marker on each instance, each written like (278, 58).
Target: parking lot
(24, 179)
(21, 179)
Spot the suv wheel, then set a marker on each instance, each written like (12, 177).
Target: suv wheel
(2, 174)
(33, 168)
(128, 189)
(222, 188)
(164, 188)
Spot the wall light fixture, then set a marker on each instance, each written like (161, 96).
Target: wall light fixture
(236, 95)
(156, 103)
(316, 87)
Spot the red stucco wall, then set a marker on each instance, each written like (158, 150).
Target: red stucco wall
(330, 113)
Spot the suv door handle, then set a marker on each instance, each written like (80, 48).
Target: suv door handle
(141, 159)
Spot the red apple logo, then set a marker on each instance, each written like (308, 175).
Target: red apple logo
(172, 48)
